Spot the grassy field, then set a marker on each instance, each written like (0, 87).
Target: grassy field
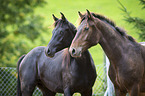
(109, 8)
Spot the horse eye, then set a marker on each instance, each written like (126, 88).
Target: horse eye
(86, 28)
(61, 32)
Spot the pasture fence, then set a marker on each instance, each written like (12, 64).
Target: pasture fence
(8, 82)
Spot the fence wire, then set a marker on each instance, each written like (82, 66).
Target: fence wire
(8, 82)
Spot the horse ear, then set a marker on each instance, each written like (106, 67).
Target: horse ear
(90, 16)
(55, 18)
(81, 15)
(62, 16)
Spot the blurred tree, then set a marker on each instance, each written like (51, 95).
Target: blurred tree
(138, 22)
(19, 27)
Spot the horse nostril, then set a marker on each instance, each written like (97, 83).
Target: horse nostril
(73, 51)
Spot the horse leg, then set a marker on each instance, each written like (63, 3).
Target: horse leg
(67, 92)
(27, 90)
(87, 93)
(28, 82)
(134, 90)
(45, 91)
(48, 93)
(119, 92)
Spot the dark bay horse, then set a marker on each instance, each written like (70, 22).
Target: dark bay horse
(59, 74)
(127, 57)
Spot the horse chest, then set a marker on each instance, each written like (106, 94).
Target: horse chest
(81, 83)
(77, 79)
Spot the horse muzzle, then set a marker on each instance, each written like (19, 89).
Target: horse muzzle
(50, 53)
(75, 52)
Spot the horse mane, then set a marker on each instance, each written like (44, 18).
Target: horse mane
(121, 31)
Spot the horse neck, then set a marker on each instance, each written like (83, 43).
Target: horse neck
(85, 61)
(112, 42)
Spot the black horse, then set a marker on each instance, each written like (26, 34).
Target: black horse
(59, 74)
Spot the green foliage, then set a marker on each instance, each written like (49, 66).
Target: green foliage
(138, 22)
(19, 28)
(142, 2)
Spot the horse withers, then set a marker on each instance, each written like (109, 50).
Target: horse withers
(59, 74)
(127, 57)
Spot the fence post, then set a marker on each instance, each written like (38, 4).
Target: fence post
(110, 87)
